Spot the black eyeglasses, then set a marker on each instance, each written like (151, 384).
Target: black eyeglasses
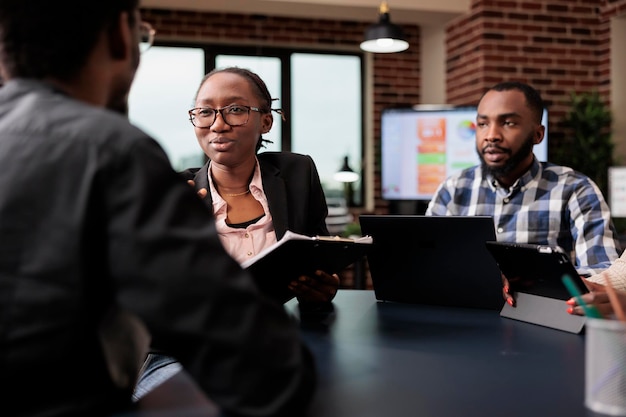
(146, 36)
(233, 115)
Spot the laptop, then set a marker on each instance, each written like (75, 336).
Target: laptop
(539, 291)
(435, 260)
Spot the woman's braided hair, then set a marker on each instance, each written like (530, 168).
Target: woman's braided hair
(260, 89)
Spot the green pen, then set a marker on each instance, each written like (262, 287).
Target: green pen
(590, 311)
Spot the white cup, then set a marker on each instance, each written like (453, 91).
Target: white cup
(605, 366)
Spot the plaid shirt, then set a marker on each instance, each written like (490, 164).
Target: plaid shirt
(549, 205)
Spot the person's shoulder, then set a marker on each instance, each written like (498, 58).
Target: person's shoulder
(556, 168)
(282, 156)
(469, 172)
(63, 117)
(466, 174)
(98, 121)
(189, 173)
(566, 175)
(284, 159)
(562, 171)
(116, 123)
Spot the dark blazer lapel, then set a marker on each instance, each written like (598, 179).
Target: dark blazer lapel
(276, 194)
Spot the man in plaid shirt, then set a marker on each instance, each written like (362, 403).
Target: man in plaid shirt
(530, 201)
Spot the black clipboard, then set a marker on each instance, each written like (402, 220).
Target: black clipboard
(295, 255)
(535, 275)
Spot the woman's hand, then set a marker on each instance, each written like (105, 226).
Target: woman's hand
(597, 297)
(518, 283)
(201, 192)
(506, 291)
(321, 288)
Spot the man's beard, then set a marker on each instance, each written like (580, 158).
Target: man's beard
(514, 158)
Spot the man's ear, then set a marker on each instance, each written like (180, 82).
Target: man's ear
(120, 37)
(539, 135)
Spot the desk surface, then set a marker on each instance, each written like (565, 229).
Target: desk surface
(388, 359)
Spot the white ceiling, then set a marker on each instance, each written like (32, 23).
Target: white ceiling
(419, 12)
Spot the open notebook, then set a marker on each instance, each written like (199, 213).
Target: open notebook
(295, 254)
(437, 260)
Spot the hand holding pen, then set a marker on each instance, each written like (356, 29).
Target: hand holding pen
(582, 303)
(604, 299)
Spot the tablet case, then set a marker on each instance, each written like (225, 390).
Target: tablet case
(535, 273)
(295, 255)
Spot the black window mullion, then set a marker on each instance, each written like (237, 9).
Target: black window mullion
(286, 104)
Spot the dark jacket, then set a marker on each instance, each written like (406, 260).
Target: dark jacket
(294, 194)
(92, 216)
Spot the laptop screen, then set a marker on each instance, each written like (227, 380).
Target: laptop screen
(436, 260)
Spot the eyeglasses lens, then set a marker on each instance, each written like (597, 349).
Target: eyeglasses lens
(232, 116)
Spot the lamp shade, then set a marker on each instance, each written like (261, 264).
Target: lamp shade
(346, 174)
(384, 36)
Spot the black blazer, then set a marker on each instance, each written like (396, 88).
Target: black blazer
(294, 193)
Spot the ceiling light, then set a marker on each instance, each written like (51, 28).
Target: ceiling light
(346, 174)
(384, 36)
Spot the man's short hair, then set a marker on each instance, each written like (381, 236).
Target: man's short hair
(533, 98)
(53, 38)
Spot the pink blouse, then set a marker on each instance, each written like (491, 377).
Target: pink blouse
(241, 243)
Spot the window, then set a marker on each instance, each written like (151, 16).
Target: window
(327, 114)
(321, 94)
(163, 91)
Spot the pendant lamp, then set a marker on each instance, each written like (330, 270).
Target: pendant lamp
(346, 174)
(384, 36)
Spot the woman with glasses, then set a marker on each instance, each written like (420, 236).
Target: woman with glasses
(255, 197)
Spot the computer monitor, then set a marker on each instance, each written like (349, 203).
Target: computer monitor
(420, 148)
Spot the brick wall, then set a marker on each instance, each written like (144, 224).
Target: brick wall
(556, 46)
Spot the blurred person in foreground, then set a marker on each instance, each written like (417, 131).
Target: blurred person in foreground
(104, 248)
(530, 201)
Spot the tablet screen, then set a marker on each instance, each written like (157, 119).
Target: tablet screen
(536, 269)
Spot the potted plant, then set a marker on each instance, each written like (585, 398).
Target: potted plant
(587, 146)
